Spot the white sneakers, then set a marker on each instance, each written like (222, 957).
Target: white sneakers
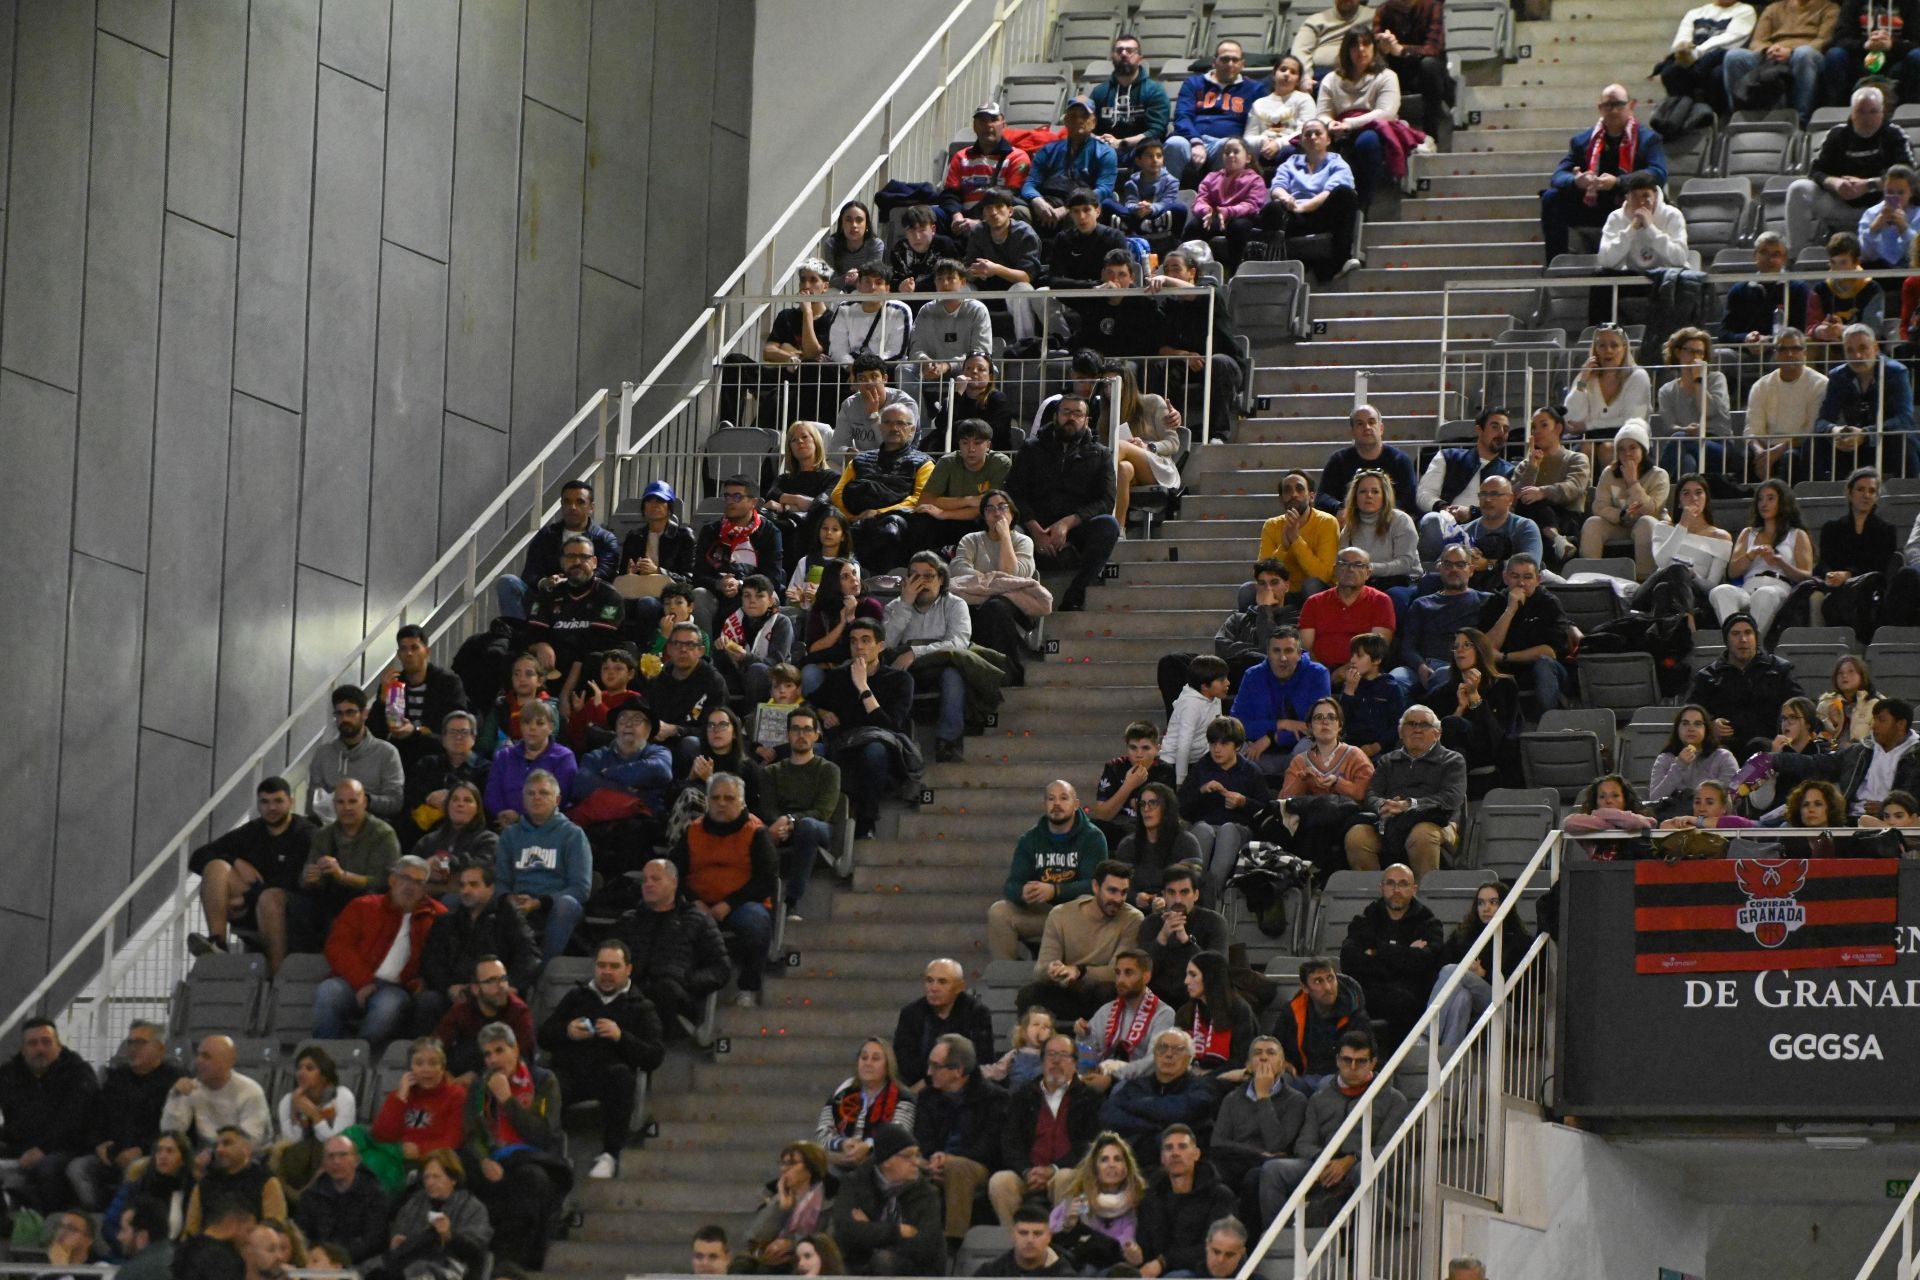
(744, 1000)
(605, 1166)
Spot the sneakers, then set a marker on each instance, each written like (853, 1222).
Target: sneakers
(1074, 601)
(1563, 547)
(949, 752)
(200, 944)
(605, 1165)
(1347, 268)
(744, 1000)
(794, 917)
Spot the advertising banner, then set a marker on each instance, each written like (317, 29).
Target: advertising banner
(1821, 1029)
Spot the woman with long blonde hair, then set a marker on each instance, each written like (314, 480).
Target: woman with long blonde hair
(1148, 445)
(1370, 520)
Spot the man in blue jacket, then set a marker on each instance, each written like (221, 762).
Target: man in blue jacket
(1213, 106)
(1586, 184)
(634, 768)
(1131, 107)
(1866, 394)
(545, 866)
(1069, 164)
(1275, 697)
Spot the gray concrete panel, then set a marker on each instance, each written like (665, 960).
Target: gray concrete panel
(276, 199)
(610, 318)
(353, 37)
(99, 751)
(145, 22)
(329, 619)
(256, 597)
(733, 32)
(209, 100)
(546, 317)
(8, 11)
(618, 142)
(557, 54)
(343, 298)
(420, 125)
(175, 778)
(53, 95)
(726, 232)
(680, 107)
(119, 340)
(407, 409)
(486, 201)
(190, 482)
(34, 485)
(473, 470)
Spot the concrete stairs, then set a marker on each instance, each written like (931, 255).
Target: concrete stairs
(922, 890)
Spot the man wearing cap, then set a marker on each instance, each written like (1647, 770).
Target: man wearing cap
(660, 550)
(887, 1218)
(619, 791)
(881, 486)
(1743, 689)
(1069, 164)
(991, 163)
(1213, 106)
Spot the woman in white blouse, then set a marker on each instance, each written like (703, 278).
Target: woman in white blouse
(1609, 389)
(1272, 121)
(993, 572)
(1771, 555)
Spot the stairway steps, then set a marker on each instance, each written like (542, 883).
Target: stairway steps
(896, 907)
(1448, 183)
(1389, 237)
(839, 991)
(1400, 329)
(1458, 210)
(984, 873)
(1495, 119)
(1191, 571)
(776, 1112)
(1531, 137)
(815, 1055)
(902, 967)
(1060, 672)
(1054, 701)
(1336, 306)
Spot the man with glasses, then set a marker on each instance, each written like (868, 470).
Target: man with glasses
(687, 688)
(374, 951)
(1327, 1110)
(345, 858)
(1050, 1122)
(1431, 623)
(1393, 948)
(1844, 180)
(1497, 534)
(354, 754)
(805, 790)
(1782, 410)
(489, 998)
(1586, 186)
(957, 1126)
(742, 540)
(1172, 1093)
(1332, 618)
(344, 1205)
(543, 567)
(1368, 452)
(881, 486)
(1418, 791)
(247, 874)
(127, 1118)
(577, 615)
(432, 776)
(1063, 483)
(1212, 107)
(1130, 107)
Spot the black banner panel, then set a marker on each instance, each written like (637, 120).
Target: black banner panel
(1729, 1019)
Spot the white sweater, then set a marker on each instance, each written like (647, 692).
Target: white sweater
(1661, 243)
(1779, 408)
(1711, 26)
(1186, 737)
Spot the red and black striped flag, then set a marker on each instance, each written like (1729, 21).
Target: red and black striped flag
(1721, 915)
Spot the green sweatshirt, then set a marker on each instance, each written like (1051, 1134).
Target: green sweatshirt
(805, 791)
(1064, 861)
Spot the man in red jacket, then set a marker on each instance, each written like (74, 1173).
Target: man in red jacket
(375, 962)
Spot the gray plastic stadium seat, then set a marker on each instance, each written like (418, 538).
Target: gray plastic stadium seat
(1345, 895)
(1268, 300)
(290, 1017)
(1618, 681)
(1505, 837)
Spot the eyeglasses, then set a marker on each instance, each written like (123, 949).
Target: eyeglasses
(1425, 726)
(1152, 803)
(1325, 715)
(575, 557)
(1056, 1055)
(736, 496)
(1351, 564)
(1613, 103)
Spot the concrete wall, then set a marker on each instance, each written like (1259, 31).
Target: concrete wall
(288, 288)
(833, 56)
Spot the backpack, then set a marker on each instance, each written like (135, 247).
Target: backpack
(484, 658)
(1681, 298)
(1680, 115)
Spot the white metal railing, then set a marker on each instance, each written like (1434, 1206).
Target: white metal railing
(1453, 1143)
(138, 968)
(1902, 1224)
(140, 939)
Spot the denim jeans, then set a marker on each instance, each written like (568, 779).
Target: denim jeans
(1408, 678)
(336, 1009)
(749, 930)
(1549, 679)
(799, 855)
(864, 774)
(562, 918)
(952, 726)
(1805, 63)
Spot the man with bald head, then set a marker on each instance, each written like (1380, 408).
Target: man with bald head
(344, 1205)
(1393, 948)
(947, 1008)
(347, 857)
(679, 957)
(48, 1095)
(1368, 452)
(1586, 186)
(215, 1097)
(1052, 864)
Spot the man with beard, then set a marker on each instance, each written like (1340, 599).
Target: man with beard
(577, 615)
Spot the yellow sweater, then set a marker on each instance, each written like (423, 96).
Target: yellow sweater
(1311, 555)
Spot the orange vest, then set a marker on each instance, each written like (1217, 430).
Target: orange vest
(717, 866)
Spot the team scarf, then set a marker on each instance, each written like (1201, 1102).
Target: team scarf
(521, 1082)
(1136, 1027)
(1629, 151)
(853, 1117)
(1207, 1036)
(731, 538)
